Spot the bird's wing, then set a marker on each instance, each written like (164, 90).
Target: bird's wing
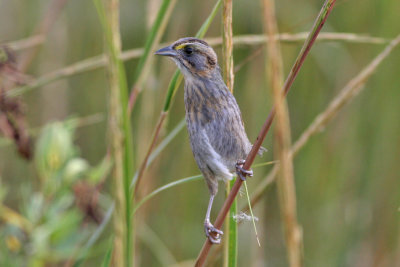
(208, 159)
(225, 130)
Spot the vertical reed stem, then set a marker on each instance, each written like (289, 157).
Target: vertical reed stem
(286, 186)
(227, 44)
(115, 123)
(120, 132)
(230, 242)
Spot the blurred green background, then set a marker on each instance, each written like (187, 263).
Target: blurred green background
(347, 176)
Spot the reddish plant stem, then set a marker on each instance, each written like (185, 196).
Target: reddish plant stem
(143, 166)
(320, 21)
(132, 99)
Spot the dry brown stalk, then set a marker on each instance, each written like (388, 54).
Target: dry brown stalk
(251, 39)
(351, 89)
(101, 60)
(81, 66)
(286, 186)
(258, 39)
(320, 21)
(227, 44)
(26, 42)
(248, 59)
(42, 30)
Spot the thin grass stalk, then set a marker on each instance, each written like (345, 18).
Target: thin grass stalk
(120, 134)
(172, 88)
(157, 30)
(156, 246)
(149, 150)
(230, 242)
(250, 39)
(282, 140)
(254, 54)
(179, 127)
(101, 60)
(251, 213)
(42, 30)
(73, 122)
(161, 147)
(84, 251)
(164, 187)
(227, 44)
(26, 43)
(319, 22)
(107, 258)
(261, 39)
(349, 91)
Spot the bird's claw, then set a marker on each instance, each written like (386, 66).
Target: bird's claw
(213, 234)
(242, 172)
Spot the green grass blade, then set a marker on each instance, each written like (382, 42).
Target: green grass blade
(172, 88)
(231, 227)
(153, 39)
(156, 246)
(203, 29)
(165, 187)
(107, 258)
(119, 109)
(94, 237)
(161, 147)
(179, 127)
(232, 234)
(251, 213)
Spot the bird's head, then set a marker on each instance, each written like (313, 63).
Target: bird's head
(194, 57)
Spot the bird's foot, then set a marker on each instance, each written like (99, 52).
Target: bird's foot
(242, 172)
(212, 233)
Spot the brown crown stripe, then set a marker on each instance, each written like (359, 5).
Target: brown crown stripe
(189, 40)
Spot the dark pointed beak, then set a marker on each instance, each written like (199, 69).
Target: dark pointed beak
(166, 51)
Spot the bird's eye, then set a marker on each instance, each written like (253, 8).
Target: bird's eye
(188, 50)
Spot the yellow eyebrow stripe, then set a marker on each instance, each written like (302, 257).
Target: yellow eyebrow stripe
(180, 46)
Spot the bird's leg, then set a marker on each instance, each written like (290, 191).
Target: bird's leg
(242, 172)
(212, 233)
